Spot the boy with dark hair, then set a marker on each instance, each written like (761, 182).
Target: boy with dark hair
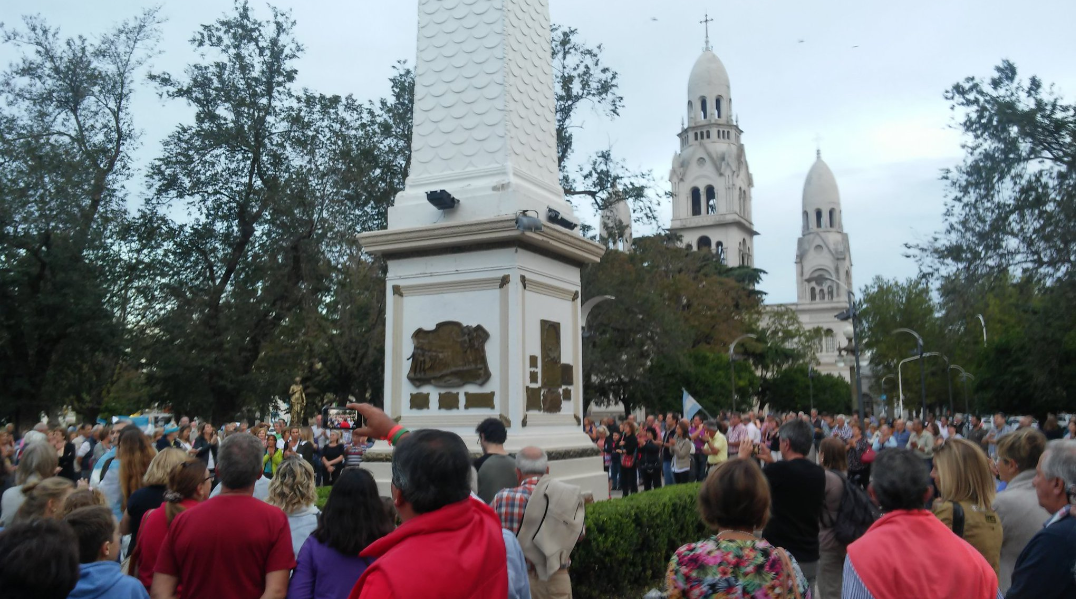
(98, 547)
(38, 560)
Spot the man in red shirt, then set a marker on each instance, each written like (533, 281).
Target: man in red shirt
(232, 545)
(449, 546)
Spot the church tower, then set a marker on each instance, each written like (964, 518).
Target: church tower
(823, 249)
(711, 182)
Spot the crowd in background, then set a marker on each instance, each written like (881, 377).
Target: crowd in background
(801, 504)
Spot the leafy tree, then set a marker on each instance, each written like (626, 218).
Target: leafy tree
(790, 390)
(66, 137)
(1012, 203)
(261, 178)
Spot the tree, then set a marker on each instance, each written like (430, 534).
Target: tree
(66, 137)
(261, 176)
(790, 390)
(1012, 203)
(583, 80)
(674, 315)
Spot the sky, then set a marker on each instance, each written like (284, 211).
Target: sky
(865, 78)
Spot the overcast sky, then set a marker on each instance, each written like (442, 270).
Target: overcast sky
(867, 77)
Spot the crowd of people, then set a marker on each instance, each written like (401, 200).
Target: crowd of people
(801, 505)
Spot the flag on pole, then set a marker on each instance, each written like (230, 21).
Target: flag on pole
(691, 407)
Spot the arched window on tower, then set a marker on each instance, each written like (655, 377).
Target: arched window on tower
(711, 200)
(814, 295)
(831, 342)
(707, 134)
(806, 221)
(818, 219)
(719, 249)
(704, 244)
(832, 218)
(690, 109)
(717, 107)
(696, 202)
(702, 103)
(829, 293)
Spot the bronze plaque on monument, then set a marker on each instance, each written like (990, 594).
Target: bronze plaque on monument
(552, 401)
(550, 339)
(479, 400)
(448, 401)
(449, 356)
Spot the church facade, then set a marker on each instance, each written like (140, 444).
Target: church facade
(712, 211)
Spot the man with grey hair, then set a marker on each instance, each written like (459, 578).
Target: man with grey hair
(233, 545)
(1045, 568)
(523, 511)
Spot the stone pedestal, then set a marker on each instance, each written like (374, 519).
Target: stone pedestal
(483, 319)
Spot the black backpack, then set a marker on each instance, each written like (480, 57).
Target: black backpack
(856, 513)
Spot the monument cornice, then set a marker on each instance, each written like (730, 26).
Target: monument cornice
(496, 231)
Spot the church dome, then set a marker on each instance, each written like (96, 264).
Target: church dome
(820, 189)
(709, 80)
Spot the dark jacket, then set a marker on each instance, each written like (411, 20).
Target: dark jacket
(650, 455)
(1044, 568)
(204, 448)
(630, 444)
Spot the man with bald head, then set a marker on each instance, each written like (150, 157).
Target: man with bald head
(522, 510)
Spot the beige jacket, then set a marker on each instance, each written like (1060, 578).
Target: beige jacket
(1021, 517)
(552, 525)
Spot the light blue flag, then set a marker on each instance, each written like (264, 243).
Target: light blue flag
(691, 407)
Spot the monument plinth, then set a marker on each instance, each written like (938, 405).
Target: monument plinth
(483, 315)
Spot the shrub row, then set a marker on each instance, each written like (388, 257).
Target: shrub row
(629, 541)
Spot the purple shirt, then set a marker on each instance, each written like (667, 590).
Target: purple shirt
(325, 573)
(698, 441)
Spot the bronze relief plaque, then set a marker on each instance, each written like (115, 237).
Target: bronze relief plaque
(478, 400)
(550, 338)
(551, 401)
(534, 399)
(420, 401)
(566, 375)
(449, 356)
(448, 401)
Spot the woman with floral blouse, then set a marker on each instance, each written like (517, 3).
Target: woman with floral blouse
(734, 563)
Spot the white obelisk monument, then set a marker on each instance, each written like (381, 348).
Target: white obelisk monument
(483, 315)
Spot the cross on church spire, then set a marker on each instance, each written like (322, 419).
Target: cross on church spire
(706, 22)
(818, 145)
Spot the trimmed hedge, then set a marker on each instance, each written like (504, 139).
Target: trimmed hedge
(629, 541)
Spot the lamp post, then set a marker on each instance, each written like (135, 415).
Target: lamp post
(732, 365)
(902, 363)
(949, 381)
(851, 314)
(922, 368)
(810, 382)
(982, 321)
(965, 376)
(884, 379)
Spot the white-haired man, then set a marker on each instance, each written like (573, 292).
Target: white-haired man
(522, 509)
(1045, 567)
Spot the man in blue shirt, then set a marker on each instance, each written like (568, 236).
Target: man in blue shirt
(901, 434)
(1045, 567)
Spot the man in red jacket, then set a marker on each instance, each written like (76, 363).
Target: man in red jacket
(449, 545)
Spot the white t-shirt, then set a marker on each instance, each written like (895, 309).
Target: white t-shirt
(754, 433)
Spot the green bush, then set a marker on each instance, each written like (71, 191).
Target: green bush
(323, 496)
(629, 541)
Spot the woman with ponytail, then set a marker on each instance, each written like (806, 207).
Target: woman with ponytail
(189, 484)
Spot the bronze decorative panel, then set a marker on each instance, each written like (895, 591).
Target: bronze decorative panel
(567, 394)
(449, 356)
(479, 400)
(534, 399)
(550, 338)
(534, 362)
(448, 400)
(551, 401)
(534, 377)
(420, 401)
(566, 377)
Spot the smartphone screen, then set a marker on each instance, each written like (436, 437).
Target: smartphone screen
(341, 418)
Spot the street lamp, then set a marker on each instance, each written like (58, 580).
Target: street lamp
(900, 381)
(982, 321)
(810, 382)
(732, 365)
(922, 368)
(965, 376)
(851, 314)
(885, 397)
(591, 303)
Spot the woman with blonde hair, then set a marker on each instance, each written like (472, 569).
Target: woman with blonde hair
(81, 498)
(44, 499)
(189, 484)
(151, 495)
(966, 493)
(734, 501)
(37, 462)
(293, 490)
